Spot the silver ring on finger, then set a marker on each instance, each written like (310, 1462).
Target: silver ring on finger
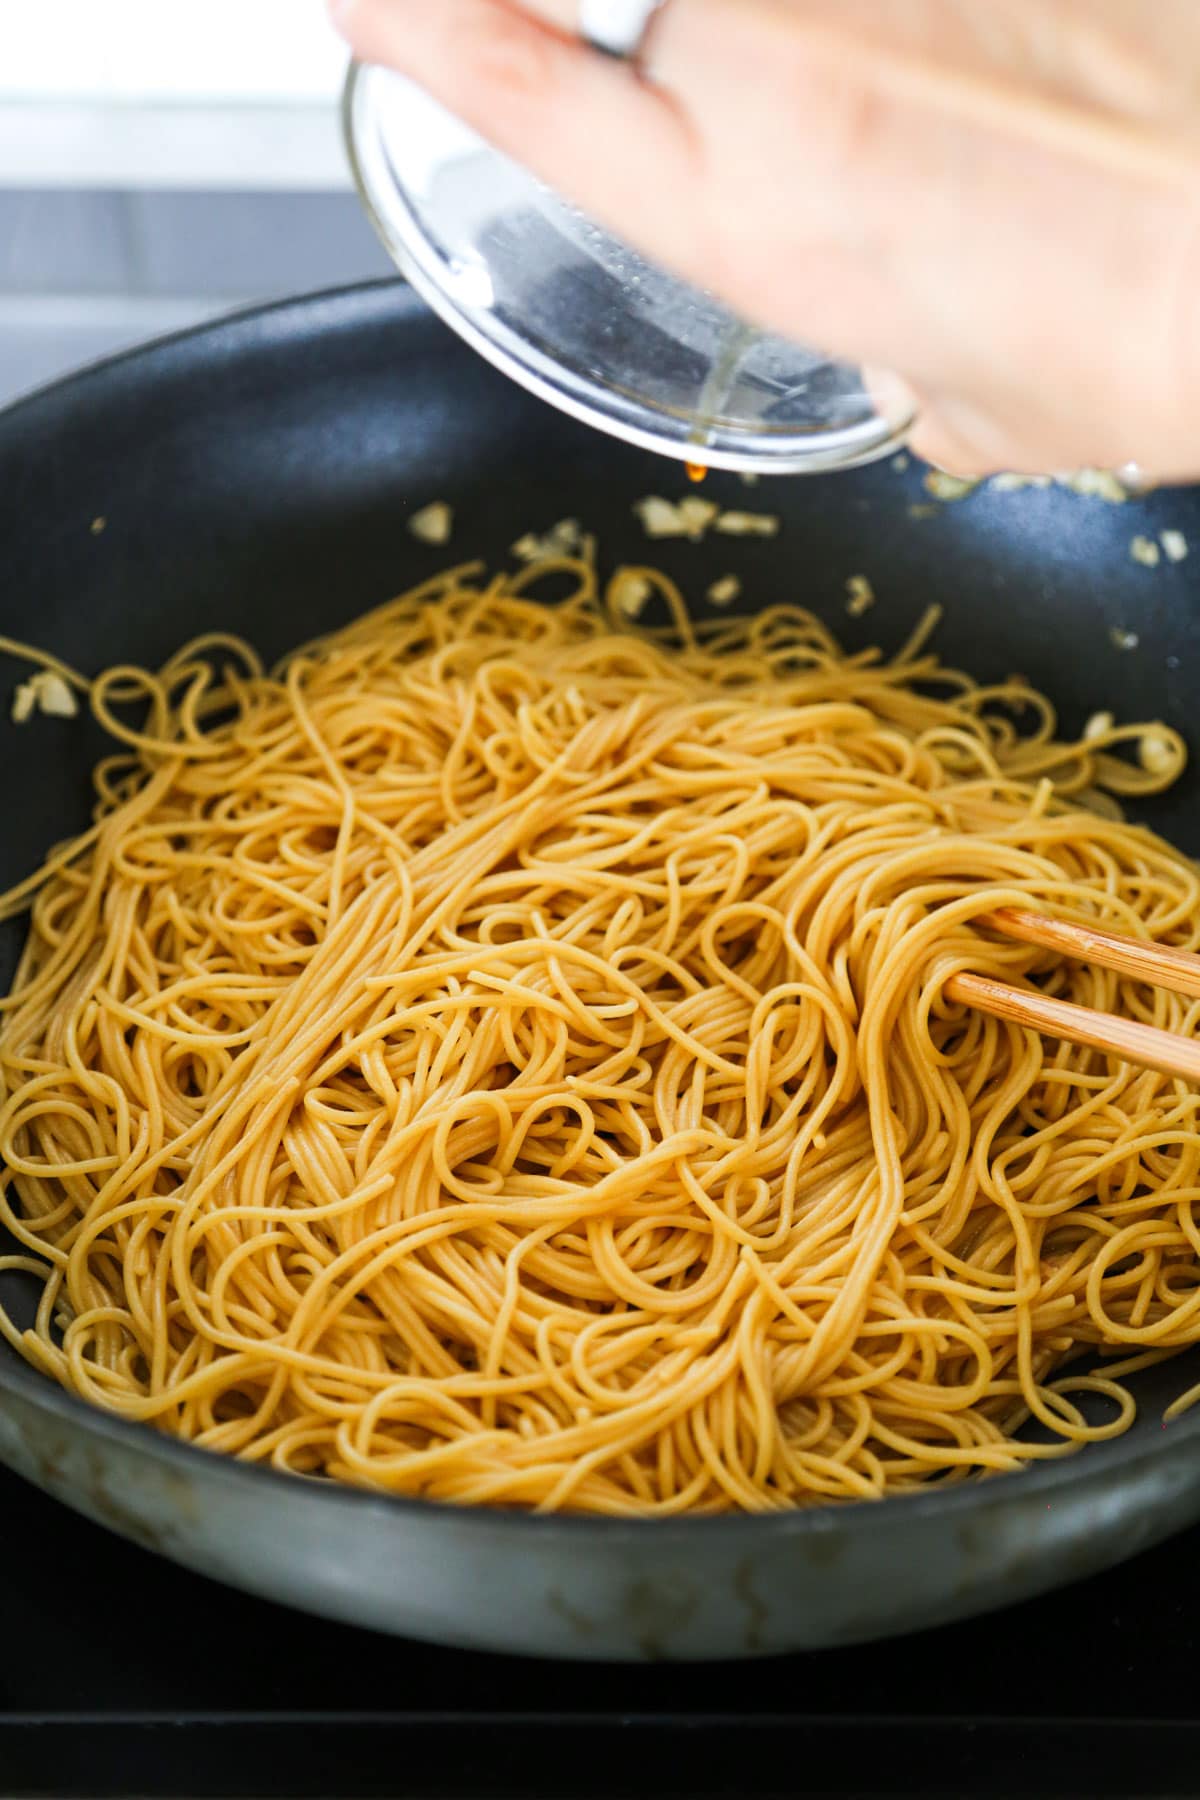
(618, 27)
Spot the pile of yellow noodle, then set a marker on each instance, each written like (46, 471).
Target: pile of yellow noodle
(501, 1056)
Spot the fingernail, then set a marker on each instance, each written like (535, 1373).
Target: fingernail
(340, 11)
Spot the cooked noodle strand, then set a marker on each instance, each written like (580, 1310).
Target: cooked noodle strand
(503, 1057)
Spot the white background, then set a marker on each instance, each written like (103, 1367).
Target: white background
(170, 93)
(155, 50)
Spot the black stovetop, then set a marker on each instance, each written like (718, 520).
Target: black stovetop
(120, 1674)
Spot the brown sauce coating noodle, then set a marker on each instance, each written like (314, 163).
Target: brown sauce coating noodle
(501, 1057)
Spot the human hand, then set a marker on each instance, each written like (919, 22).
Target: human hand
(997, 199)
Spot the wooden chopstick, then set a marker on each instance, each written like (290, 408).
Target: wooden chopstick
(1146, 1045)
(1160, 965)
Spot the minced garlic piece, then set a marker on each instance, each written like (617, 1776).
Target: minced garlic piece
(688, 518)
(744, 524)
(1144, 550)
(433, 524)
(860, 596)
(1156, 753)
(944, 486)
(697, 516)
(1099, 725)
(54, 696)
(660, 518)
(1100, 484)
(725, 591)
(564, 539)
(630, 593)
(44, 692)
(1175, 545)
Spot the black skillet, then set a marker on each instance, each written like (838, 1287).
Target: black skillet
(257, 477)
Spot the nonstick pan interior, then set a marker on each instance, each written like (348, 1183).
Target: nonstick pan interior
(257, 477)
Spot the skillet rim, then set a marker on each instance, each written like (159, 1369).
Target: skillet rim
(301, 315)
